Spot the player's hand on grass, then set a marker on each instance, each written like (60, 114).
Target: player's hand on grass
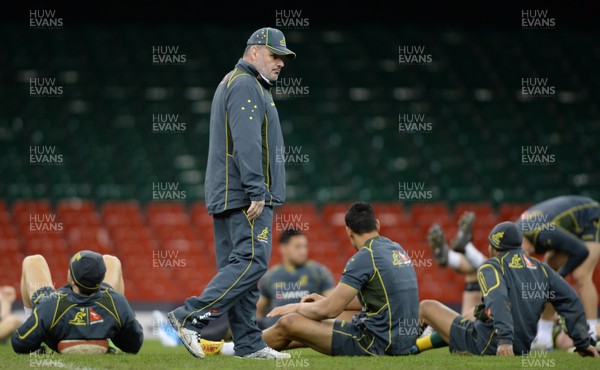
(283, 310)
(590, 351)
(312, 297)
(255, 209)
(505, 350)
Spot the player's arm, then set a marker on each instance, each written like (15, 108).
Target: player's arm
(566, 302)
(29, 336)
(563, 241)
(357, 273)
(326, 308)
(131, 335)
(245, 113)
(495, 298)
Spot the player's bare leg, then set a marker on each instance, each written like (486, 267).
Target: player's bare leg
(585, 286)
(471, 296)
(297, 328)
(114, 273)
(35, 275)
(543, 340)
(439, 318)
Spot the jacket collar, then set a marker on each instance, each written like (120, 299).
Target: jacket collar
(249, 68)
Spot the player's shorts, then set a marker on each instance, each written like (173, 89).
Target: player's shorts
(591, 231)
(350, 339)
(48, 292)
(42, 294)
(467, 336)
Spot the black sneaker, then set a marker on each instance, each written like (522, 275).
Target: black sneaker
(437, 242)
(464, 233)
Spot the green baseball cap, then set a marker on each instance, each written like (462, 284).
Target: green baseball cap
(273, 39)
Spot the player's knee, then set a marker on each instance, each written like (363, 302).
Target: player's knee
(582, 277)
(426, 306)
(113, 261)
(287, 323)
(33, 259)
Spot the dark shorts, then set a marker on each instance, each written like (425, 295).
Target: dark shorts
(349, 339)
(591, 231)
(49, 292)
(467, 336)
(42, 294)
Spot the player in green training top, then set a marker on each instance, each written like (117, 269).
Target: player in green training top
(91, 306)
(379, 279)
(515, 288)
(294, 278)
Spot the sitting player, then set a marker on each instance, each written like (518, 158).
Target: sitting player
(8, 321)
(515, 288)
(91, 306)
(379, 278)
(461, 256)
(291, 280)
(567, 230)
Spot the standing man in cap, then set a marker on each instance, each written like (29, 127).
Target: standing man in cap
(90, 306)
(515, 288)
(243, 183)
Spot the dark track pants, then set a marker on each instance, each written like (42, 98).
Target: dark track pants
(243, 250)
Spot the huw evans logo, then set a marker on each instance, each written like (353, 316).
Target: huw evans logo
(44, 155)
(537, 19)
(413, 55)
(413, 123)
(167, 191)
(291, 155)
(167, 55)
(167, 259)
(291, 88)
(537, 155)
(45, 223)
(414, 191)
(534, 87)
(537, 359)
(44, 19)
(167, 123)
(291, 19)
(45, 87)
(287, 221)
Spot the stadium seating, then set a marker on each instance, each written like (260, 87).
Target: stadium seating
(347, 126)
(167, 247)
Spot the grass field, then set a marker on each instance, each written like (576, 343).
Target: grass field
(154, 356)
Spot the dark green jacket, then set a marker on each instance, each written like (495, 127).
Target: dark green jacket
(245, 135)
(66, 315)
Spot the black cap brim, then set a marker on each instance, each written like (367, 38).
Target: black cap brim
(283, 51)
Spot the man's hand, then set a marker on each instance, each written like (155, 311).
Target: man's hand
(505, 350)
(283, 310)
(255, 209)
(313, 297)
(590, 351)
(7, 294)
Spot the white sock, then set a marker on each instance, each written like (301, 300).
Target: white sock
(453, 259)
(474, 256)
(227, 349)
(28, 311)
(592, 323)
(544, 332)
